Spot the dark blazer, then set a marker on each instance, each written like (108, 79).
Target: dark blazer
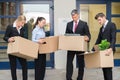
(11, 32)
(25, 28)
(109, 33)
(82, 29)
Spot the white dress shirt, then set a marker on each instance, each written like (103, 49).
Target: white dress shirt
(104, 25)
(14, 25)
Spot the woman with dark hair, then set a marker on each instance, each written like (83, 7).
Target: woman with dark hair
(38, 34)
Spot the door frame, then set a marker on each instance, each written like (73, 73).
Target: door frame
(109, 15)
(51, 62)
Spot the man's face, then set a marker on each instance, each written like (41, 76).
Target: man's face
(101, 20)
(75, 17)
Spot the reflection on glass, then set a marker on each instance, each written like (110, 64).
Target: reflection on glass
(36, 10)
(7, 8)
(116, 8)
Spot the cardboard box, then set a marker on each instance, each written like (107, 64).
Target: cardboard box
(23, 48)
(98, 60)
(73, 43)
(51, 45)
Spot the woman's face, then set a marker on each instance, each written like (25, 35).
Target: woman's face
(21, 23)
(42, 23)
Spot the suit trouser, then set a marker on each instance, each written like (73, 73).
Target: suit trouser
(107, 72)
(40, 65)
(13, 65)
(69, 67)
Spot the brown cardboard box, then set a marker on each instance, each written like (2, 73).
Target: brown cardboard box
(98, 60)
(51, 45)
(23, 48)
(73, 43)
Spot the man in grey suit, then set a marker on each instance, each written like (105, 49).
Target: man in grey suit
(107, 31)
(76, 26)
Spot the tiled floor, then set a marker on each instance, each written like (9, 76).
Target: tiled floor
(59, 74)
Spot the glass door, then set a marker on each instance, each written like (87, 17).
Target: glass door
(87, 13)
(34, 10)
(88, 10)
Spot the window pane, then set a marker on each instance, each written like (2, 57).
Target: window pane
(117, 55)
(32, 11)
(4, 22)
(118, 38)
(116, 8)
(117, 49)
(117, 22)
(7, 8)
(87, 13)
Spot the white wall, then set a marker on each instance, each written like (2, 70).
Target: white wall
(62, 10)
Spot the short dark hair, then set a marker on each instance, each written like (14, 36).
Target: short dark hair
(74, 11)
(99, 15)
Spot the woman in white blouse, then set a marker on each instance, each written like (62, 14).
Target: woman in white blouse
(38, 34)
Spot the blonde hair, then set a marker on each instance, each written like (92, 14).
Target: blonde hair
(21, 18)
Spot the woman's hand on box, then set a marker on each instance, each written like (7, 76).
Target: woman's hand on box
(41, 41)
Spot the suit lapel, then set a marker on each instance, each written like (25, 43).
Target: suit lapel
(71, 28)
(16, 31)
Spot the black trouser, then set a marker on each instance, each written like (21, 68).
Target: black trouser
(40, 65)
(107, 72)
(69, 67)
(13, 65)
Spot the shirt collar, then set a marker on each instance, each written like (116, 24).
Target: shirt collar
(77, 21)
(14, 25)
(38, 27)
(105, 23)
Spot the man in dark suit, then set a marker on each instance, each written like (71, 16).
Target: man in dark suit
(11, 31)
(107, 31)
(76, 26)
